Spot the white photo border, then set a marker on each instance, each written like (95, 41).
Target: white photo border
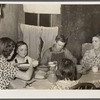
(51, 94)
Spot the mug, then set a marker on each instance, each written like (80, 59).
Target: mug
(52, 65)
(95, 69)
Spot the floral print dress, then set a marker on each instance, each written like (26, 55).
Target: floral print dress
(7, 72)
(90, 59)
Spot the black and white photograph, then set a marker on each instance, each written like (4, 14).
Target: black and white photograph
(49, 46)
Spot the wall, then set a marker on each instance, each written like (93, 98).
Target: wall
(21, 20)
(56, 21)
(79, 24)
(9, 22)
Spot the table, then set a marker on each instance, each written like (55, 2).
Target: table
(40, 84)
(92, 78)
(45, 84)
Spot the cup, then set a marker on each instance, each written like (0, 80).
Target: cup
(95, 69)
(52, 65)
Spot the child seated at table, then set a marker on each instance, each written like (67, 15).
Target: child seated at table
(67, 75)
(21, 58)
(21, 54)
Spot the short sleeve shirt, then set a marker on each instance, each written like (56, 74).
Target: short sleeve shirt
(7, 72)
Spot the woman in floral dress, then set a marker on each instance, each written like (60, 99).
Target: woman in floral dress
(91, 57)
(7, 71)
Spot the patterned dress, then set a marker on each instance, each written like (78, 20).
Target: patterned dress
(7, 72)
(90, 59)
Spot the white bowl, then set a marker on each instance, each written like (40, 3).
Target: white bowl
(24, 66)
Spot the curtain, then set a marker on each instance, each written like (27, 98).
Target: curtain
(31, 35)
(48, 36)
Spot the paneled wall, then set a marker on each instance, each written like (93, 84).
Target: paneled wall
(79, 24)
(9, 23)
(21, 20)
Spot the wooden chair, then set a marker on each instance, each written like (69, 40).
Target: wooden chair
(84, 86)
(85, 47)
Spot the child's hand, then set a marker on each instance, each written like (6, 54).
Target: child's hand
(35, 63)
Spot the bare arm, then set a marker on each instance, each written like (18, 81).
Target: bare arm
(27, 75)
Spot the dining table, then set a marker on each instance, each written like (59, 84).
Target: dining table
(40, 84)
(90, 77)
(44, 83)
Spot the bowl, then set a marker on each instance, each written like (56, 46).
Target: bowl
(24, 67)
(43, 68)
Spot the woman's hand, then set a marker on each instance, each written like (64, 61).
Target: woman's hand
(14, 64)
(34, 63)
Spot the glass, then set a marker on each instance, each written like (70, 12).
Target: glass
(95, 69)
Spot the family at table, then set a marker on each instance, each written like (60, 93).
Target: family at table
(57, 64)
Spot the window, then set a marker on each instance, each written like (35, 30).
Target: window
(45, 20)
(38, 19)
(31, 19)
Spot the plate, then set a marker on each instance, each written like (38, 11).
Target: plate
(24, 66)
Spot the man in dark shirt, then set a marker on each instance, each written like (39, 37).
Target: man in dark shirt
(56, 53)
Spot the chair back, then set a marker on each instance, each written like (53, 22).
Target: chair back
(85, 47)
(84, 86)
